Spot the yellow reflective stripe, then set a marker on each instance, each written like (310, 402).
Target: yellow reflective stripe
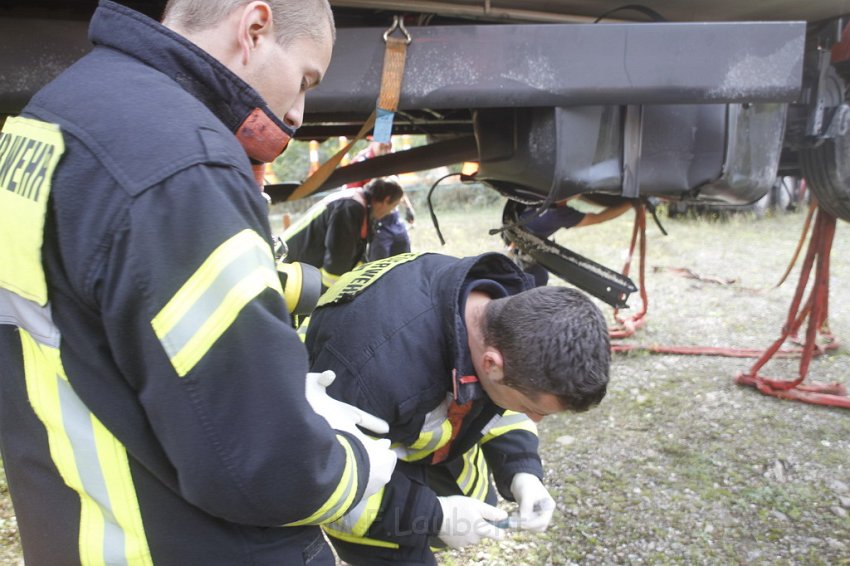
(464, 480)
(343, 496)
(314, 211)
(426, 444)
(328, 278)
(368, 514)
(350, 284)
(483, 483)
(29, 152)
(207, 304)
(90, 461)
(122, 493)
(422, 442)
(509, 421)
(303, 324)
(474, 479)
(294, 281)
(357, 521)
(359, 540)
(305, 220)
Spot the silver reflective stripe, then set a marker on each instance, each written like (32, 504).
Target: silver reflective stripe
(432, 431)
(508, 419)
(470, 466)
(347, 522)
(78, 425)
(26, 314)
(335, 510)
(212, 298)
(77, 422)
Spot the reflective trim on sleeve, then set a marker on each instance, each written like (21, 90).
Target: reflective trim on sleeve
(353, 526)
(360, 540)
(509, 421)
(343, 496)
(358, 521)
(207, 304)
(436, 432)
(328, 278)
(90, 460)
(301, 329)
(305, 220)
(474, 478)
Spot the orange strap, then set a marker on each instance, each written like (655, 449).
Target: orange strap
(394, 59)
(321, 175)
(455, 415)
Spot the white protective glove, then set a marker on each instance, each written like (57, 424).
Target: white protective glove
(345, 417)
(340, 415)
(535, 504)
(467, 521)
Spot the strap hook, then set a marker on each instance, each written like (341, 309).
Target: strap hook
(398, 24)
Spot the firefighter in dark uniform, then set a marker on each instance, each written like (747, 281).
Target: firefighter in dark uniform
(153, 401)
(332, 234)
(466, 360)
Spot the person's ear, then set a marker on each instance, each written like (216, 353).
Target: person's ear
(255, 25)
(494, 364)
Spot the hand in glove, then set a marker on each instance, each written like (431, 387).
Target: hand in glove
(341, 416)
(345, 417)
(468, 521)
(535, 504)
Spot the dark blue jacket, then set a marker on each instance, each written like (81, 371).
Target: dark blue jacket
(389, 237)
(171, 427)
(394, 333)
(331, 235)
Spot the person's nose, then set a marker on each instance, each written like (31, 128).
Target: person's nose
(295, 116)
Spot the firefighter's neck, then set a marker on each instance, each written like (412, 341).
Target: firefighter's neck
(473, 316)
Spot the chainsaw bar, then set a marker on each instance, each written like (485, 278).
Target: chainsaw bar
(605, 284)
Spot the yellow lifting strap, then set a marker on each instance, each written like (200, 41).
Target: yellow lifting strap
(395, 56)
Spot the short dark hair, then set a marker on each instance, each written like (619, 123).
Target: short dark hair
(382, 189)
(293, 18)
(553, 340)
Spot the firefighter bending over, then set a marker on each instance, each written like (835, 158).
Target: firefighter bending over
(332, 235)
(465, 362)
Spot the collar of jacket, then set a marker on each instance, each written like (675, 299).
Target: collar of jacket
(495, 267)
(241, 108)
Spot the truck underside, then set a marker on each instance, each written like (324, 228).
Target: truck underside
(702, 101)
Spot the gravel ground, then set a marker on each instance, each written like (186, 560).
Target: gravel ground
(679, 465)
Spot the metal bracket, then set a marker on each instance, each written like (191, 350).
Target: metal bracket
(632, 148)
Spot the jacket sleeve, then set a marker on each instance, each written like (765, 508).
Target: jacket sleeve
(404, 512)
(343, 244)
(379, 246)
(510, 447)
(198, 327)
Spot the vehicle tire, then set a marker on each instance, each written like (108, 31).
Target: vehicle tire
(826, 167)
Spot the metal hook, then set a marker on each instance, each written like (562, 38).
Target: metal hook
(398, 24)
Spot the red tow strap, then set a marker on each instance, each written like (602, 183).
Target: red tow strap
(815, 309)
(625, 327)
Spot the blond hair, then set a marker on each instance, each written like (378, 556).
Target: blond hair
(293, 18)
